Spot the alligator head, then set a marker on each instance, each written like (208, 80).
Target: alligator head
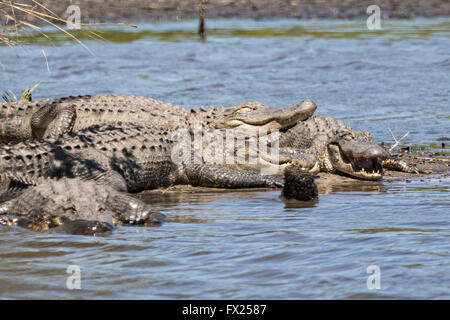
(338, 147)
(356, 155)
(257, 116)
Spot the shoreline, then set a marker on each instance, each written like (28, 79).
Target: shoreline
(93, 11)
(437, 168)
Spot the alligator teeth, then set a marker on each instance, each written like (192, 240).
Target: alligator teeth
(315, 168)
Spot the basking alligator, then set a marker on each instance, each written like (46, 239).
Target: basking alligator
(21, 121)
(130, 157)
(125, 156)
(78, 207)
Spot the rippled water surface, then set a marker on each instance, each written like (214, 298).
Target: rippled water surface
(239, 245)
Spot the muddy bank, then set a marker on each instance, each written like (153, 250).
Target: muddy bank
(425, 165)
(115, 10)
(428, 167)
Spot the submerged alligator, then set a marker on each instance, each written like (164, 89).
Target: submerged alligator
(78, 207)
(22, 121)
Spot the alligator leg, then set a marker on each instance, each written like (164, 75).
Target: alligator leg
(221, 177)
(53, 120)
(14, 129)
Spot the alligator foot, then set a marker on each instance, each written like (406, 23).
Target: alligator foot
(52, 120)
(299, 185)
(221, 177)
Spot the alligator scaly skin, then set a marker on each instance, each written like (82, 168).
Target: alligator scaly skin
(21, 121)
(313, 136)
(140, 156)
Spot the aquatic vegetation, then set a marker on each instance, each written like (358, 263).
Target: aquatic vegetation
(15, 23)
(9, 96)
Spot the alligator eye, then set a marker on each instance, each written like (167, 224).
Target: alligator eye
(348, 136)
(244, 109)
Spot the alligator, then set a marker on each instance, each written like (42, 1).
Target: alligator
(341, 149)
(22, 121)
(76, 207)
(125, 156)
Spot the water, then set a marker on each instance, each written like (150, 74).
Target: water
(251, 245)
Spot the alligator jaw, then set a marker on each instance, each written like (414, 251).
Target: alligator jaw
(366, 168)
(269, 119)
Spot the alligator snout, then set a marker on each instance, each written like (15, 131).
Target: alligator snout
(358, 158)
(285, 116)
(266, 118)
(362, 149)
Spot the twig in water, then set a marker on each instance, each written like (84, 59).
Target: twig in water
(201, 26)
(395, 139)
(46, 60)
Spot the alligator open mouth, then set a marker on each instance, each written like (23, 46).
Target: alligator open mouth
(367, 167)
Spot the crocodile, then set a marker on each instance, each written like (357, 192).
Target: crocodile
(76, 207)
(341, 149)
(22, 121)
